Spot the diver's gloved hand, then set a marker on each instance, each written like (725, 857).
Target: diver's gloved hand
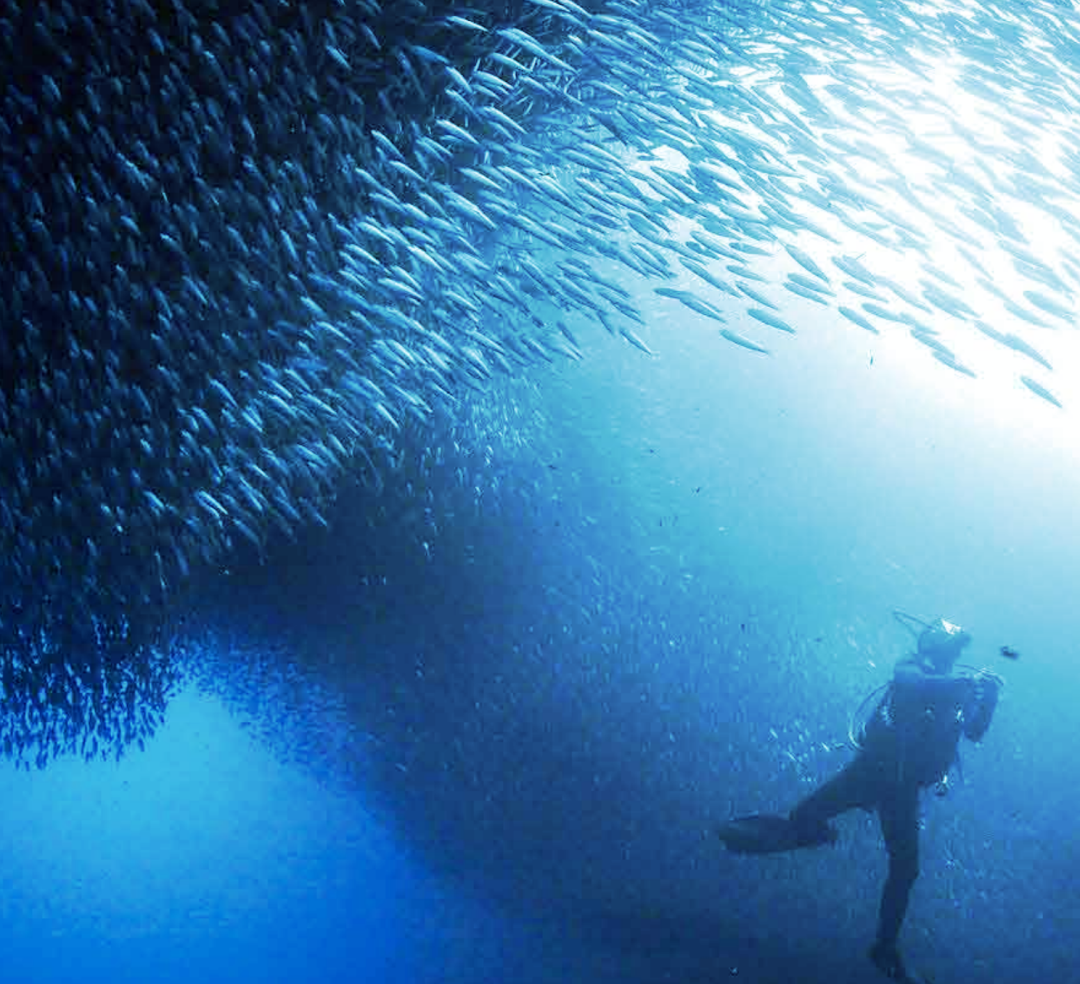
(987, 685)
(980, 708)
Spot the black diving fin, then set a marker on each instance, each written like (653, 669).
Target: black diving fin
(767, 833)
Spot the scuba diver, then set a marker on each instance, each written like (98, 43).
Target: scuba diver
(908, 744)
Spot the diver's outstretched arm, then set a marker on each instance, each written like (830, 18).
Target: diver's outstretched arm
(980, 706)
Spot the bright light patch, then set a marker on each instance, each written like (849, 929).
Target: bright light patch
(933, 186)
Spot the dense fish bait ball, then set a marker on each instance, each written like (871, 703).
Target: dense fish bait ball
(175, 192)
(243, 248)
(249, 246)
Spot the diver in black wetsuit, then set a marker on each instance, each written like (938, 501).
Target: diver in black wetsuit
(908, 744)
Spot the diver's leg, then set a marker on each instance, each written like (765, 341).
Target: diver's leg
(899, 815)
(808, 824)
(852, 786)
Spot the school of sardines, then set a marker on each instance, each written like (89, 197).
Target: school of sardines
(247, 246)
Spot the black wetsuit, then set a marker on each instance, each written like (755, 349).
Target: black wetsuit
(909, 744)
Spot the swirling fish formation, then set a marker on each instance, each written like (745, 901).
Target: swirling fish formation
(246, 245)
(242, 249)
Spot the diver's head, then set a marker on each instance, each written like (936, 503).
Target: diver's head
(940, 645)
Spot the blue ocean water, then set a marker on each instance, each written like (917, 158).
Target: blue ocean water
(484, 727)
(504, 761)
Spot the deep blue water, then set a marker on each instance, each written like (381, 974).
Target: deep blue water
(503, 762)
(483, 728)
